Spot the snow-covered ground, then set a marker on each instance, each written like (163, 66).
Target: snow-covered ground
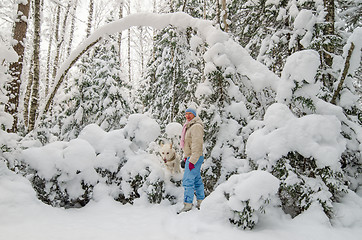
(23, 216)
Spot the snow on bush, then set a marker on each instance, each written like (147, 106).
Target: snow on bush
(315, 136)
(141, 130)
(242, 198)
(15, 190)
(298, 77)
(173, 133)
(65, 173)
(7, 55)
(302, 152)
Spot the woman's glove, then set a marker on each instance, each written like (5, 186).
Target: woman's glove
(191, 166)
(183, 163)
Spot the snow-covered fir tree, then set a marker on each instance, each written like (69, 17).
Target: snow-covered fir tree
(100, 93)
(287, 108)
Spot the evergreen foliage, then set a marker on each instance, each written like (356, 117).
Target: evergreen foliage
(100, 94)
(172, 76)
(182, 73)
(303, 183)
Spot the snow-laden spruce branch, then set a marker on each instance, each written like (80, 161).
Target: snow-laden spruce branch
(223, 51)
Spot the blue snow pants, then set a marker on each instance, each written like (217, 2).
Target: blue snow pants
(192, 182)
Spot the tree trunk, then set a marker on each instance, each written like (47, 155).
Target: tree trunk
(72, 27)
(142, 51)
(129, 46)
(58, 43)
(120, 34)
(59, 38)
(61, 79)
(329, 31)
(225, 16)
(171, 6)
(328, 46)
(47, 77)
(15, 69)
(184, 6)
(218, 13)
(154, 32)
(28, 93)
(36, 59)
(90, 17)
(344, 74)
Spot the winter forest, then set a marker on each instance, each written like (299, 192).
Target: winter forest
(89, 89)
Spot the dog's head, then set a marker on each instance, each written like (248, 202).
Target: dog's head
(167, 152)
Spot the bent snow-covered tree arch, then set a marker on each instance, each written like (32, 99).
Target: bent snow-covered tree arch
(223, 51)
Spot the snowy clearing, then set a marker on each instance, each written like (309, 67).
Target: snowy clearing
(23, 216)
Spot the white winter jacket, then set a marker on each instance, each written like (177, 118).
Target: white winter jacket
(194, 140)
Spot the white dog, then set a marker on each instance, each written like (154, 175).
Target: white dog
(170, 158)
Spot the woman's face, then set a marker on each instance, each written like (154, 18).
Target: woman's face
(189, 116)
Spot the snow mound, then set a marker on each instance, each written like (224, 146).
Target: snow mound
(316, 136)
(242, 198)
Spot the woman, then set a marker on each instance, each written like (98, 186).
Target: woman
(192, 145)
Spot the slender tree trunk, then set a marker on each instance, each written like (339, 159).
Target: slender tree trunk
(72, 27)
(225, 16)
(328, 47)
(65, 22)
(184, 6)
(15, 69)
(171, 6)
(120, 34)
(90, 17)
(129, 45)
(154, 31)
(59, 38)
(28, 93)
(344, 74)
(36, 59)
(58, 43)
(47, 82)
(61, 78)
(218, 12)
(329, 30)
(142, 49)
(61, 46)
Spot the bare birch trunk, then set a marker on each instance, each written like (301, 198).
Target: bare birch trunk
(129, 45)
(28, 93)
(171, 6)
(154, 31)
(47, 82)
(328, 46)
(90, 17)
(72, 27)
(61, 79)
(225, 16)
(36, 57)
(15, 69)
(329, 30)
(344, 74)
(142, 50)
(59, 38)
(218, 13)
(57, 42)
(120, 34)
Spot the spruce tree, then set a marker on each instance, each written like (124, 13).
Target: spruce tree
(100, 93)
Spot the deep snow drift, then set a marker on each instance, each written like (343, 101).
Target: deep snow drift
(23, 216)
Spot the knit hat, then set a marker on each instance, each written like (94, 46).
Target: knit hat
(191, 110)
